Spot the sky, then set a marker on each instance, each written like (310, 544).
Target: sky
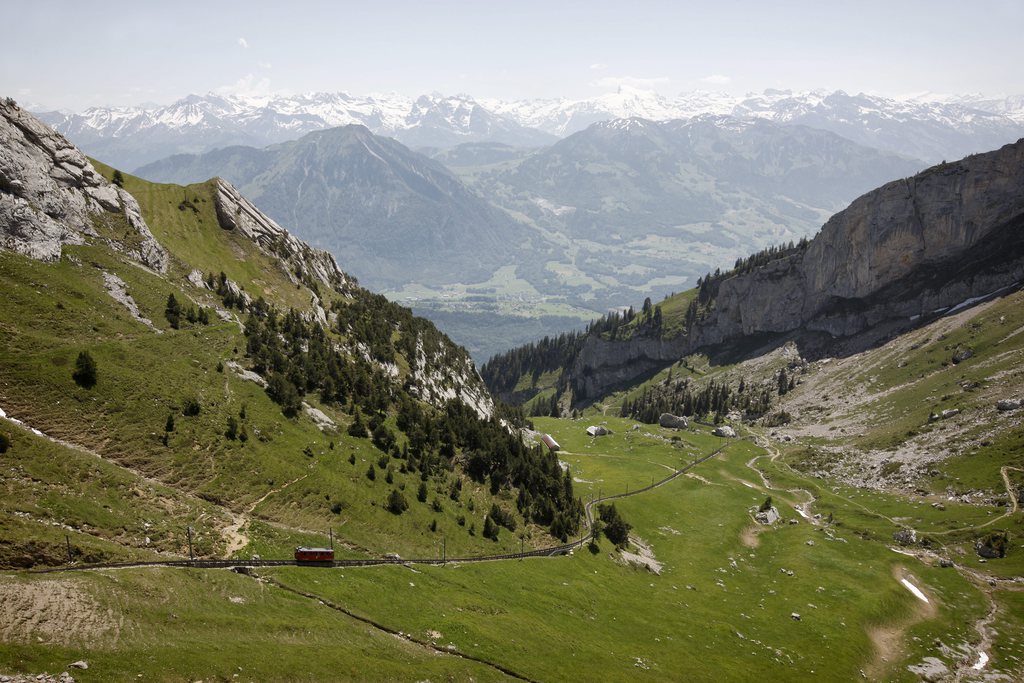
(74, 54)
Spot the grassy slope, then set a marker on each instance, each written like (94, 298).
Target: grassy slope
(720, 608)
(581, 617)
(53, 311)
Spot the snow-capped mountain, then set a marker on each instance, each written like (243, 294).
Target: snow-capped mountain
(563, 117)
(927, 128)
(923, 126)
(924, 129)
(131, 137)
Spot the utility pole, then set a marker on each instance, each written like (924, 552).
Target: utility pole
(522, 542)
(191, 555)
(331, 532)
(67, 539)
(444, 551)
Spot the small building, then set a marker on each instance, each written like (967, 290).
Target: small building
(549, 441)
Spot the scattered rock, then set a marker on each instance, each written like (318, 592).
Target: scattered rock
(905, 537)
(944, 415)
(767, 517)
(1009, 404)
(795, 616)
(726, 431)
(963, 354)
(670, 421)
(598, 430)
(118, 291)
(945, 563)
(197, 279)
(318, 416)
(248, 375)
(80, 664)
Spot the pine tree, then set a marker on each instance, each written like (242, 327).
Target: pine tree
(169, 425)
(396, 502)
(85, 371)
(173, 312)
(118, 179)
(358, 428)
(490, 529)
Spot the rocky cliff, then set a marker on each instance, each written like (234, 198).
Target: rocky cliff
(897, 255)
(50, 195)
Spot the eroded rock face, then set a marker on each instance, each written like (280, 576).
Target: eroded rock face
(50, 195)
(902, 250)
(906, 251)
(235, 212)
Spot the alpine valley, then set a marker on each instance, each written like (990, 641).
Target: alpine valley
(531, 235)
(793, 450)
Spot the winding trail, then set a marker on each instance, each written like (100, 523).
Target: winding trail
(885, 639)
(232, 534)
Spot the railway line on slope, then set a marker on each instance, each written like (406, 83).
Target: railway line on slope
(551, 551)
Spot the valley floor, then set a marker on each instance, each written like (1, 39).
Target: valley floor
(823, 594)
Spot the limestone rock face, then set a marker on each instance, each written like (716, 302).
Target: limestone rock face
(50, 195)
(908, 250)
(235, 212)
(887, 254)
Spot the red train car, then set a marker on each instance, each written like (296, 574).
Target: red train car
(303, 554)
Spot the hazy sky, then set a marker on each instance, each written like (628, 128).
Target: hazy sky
(76, 54)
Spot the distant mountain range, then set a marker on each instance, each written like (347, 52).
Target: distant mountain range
(621, 210)
(394, 216)
(928, 127)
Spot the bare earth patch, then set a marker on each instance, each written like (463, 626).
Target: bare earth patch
(888, 639)
(57, 611)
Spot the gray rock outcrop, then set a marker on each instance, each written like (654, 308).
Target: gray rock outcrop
(902, 253)
(1009, 404)
(50, 195)
(905, 537)
(670, 421)
(235, 212)
(726, 431)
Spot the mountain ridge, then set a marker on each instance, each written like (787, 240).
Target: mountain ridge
(393, 213)
(896, 257)
(927, 127)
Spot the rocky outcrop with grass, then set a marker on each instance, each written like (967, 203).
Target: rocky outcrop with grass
(50, 195)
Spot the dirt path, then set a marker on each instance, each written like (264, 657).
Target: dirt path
(1013, 507)
(234, 537)
(231, 533)
(1014, 502)
(803, 509)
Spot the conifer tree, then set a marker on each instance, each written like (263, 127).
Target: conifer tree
(85, 371)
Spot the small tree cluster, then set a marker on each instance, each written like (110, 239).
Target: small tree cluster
(615, 527)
